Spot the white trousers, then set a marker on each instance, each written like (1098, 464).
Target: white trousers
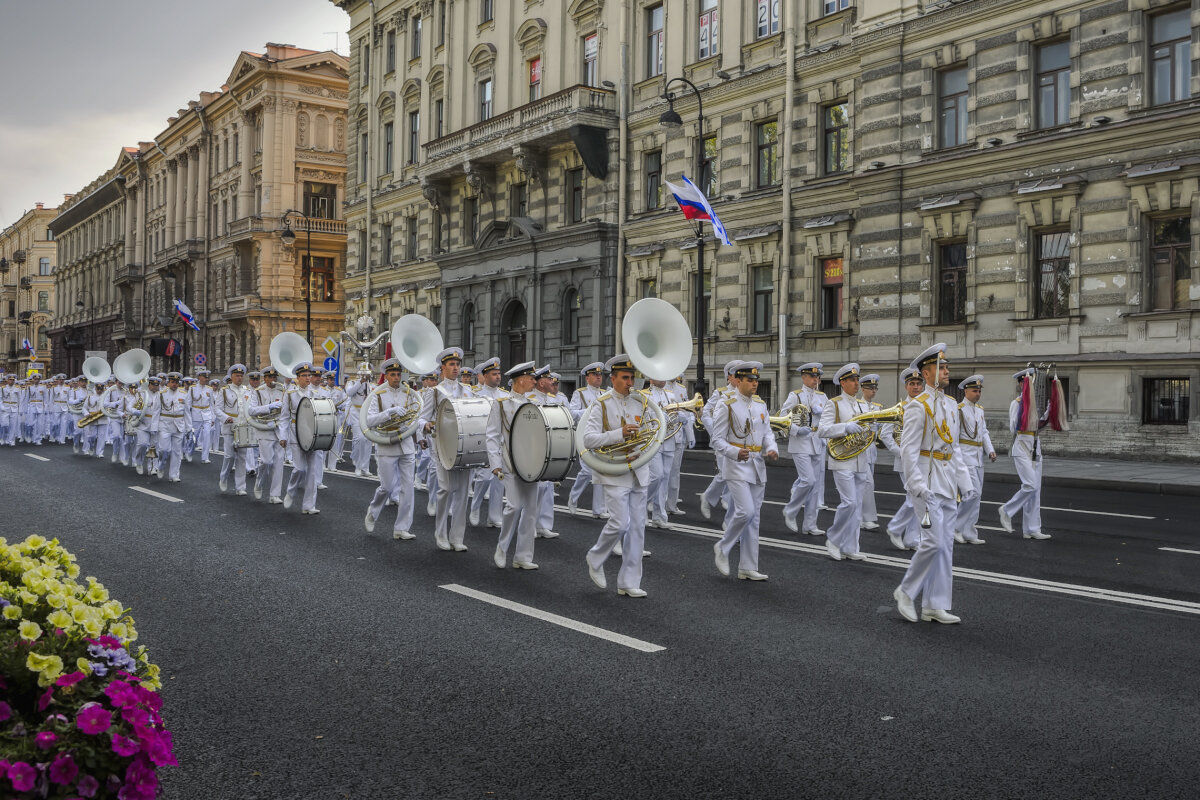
(269, 478)
(716, 489)
(808, 489)
(906, 524)
(930, 574)
(745, 511)
(1028, 500)
(305, 475)
(489, 487)
(520, 518)
(869, 512)
(844, 530)
(450, 521)
(660, 476)
(170, 451)
(626, 524)
(968, 509)
(360, 445)
(673, 476)
(545, 506)
(234, 462)
(396, 483)
(583, 479)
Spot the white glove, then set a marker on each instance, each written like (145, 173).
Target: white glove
(851, 428)
(276, 404)
(802, 431)
(927, 497)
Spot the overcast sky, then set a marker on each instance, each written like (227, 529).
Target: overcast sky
(80, 79)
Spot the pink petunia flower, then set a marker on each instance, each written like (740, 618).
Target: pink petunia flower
(87, 786)
(70, 680)
(44, 700)
(124, 746)
(45, 740)
(160, 751)
(5, 711)
(63, 770)
(22, 776)
(93, 718)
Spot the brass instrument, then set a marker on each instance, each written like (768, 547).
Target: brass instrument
(647, 433)
(672, 410)
(91, 418)
(398, 422)
(800, 415)
(848, 447)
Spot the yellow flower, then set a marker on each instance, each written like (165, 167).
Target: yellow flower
(28, 597)
(73, 571)
(55, 600)
(30, 631)
(83, 665)
(111, 610)
(81, 613)
(119, 630)
(40, 663)
(12, 612)
(97, 594)
(60, 619)
(93, 627)
(35, 541)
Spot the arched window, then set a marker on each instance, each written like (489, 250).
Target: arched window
(512, 332)
(468, 327)
(570, 316)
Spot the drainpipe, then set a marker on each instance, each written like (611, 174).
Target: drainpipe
(622, 189)
(365, 258)
(785, 250)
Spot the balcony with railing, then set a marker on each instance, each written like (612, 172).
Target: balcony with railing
(127, 274)
(541, 123)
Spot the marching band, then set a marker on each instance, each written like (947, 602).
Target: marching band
(494, 457)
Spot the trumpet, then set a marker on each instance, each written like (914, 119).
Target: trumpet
(848, 447)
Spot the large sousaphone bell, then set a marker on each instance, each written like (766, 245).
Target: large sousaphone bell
(289, 349)
(132, 366)
(416, 341)
(96, 369)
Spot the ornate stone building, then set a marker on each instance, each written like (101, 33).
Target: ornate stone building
(27, 302)
(1012, 177)
(202, 208)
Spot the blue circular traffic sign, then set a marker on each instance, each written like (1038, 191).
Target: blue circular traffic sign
(330, 365)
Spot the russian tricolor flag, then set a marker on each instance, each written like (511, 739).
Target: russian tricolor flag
(695, 205)
(185, 314)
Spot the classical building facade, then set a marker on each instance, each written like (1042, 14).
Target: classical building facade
(27, 299)
(201, 210)
(1014, 178)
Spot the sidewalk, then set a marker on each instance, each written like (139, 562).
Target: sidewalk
(1075, 473)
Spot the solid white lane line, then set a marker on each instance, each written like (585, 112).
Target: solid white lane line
(159, 495)
(1180, 550)
(575, 625)
(37, 457)
(1037, 584)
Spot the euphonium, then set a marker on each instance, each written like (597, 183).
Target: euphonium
(397, 427)
(848, 447)
(91, 418)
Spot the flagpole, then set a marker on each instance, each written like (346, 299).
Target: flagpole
(701, 314)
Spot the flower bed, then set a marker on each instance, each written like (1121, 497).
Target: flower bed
(79, 709)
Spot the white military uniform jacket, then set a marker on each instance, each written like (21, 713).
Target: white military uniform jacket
(837, 414)
(379, 403)
(663, 397)
(714, 400)
(605, 428)
(499, 424)
(259, 403)
(582, 399)
(974, 443)
(172, 411)
(229, 404)
(200, 401)
(742, 422)
(816, 401)
(444, 390)
(927, 447)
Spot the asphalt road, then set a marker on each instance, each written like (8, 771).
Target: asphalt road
(304, 658)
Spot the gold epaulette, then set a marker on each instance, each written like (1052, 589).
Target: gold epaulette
(818, 391)
(604, 396)
(729, 401)
(755, 399)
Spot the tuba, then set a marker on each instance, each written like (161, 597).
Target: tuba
(848, 447)
(96, 369)
(132, 366)
(288, 349)
(659, 344)
(416, 341)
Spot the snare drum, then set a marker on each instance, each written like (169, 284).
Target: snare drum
(316, 424)
(243, 436)
(542, 443)
(461, 436)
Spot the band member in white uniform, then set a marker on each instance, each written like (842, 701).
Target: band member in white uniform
(450, 524)
(684, 440)
(306, 470)
(360, 447)
(254, 379)
(903, 529)
(203, 414)
(172, 424)
(716, 488)
(35, 408)
(520, 511)
(114, 423)
(584, 396)
(487, 486)
(1027, 457)
(973, 442)
(543, 394)
(849, 475)
(58, 404)
(132, 413)
(266, 404)
(742, 437)
(147, 432)
(342, 402)
(395, 461)
(660, 465)
(228, 406)
(808, 453)
(625, 495)
(870, 515)
(92, 439)
(10, 404)
(933, 477)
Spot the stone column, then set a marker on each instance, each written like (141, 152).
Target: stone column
(202, 191)
(193, 184)
(181, 184)
(270, 203)
(130, 215)
(169, 235)
(139, 229)
(246, 156)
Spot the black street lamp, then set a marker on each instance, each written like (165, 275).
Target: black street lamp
(288, 237)
(671, 119)
(91, 316)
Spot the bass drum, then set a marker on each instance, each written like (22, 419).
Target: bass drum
(316, 424)
(243, 436)
(461, 435)
(542, 444)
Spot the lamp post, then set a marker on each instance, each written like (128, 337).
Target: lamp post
(91, 315)
(671, 119)
(288, 237)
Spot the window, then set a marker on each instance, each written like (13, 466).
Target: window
(574, 195)
(319, 199)
(415, 28)
(709, 29)
(766, 137)
(388, 146)
(834, 6)
(43, 301)
(832, 279)
(439, 117)
(385, 243)
(235, 150)
(706, 299)
(414, 136)
(364, 52)
(364, 256)
(43, 266)
(320, 279)
(471, 214)
(535, 79)
(49, 235)
(436, 228)
(217, 158)
(647, 288)
(571, 305)
(837, 138)
(952, 280)
(468, 327)
(391, 52)
(412, 238)
(1053, 274)
(519, 200)
(12, 308)
(485, 99)
(1170, 56)
(768, 18)
(362, 158)
(952, 105)
(591, 60)
(1166, 401)
(762, 287)
(43, 341)
(710, 168)
(1054, 84)
(1170, 264)
(654, 42)
(653, 180)
(441, 22)
(485, 11)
